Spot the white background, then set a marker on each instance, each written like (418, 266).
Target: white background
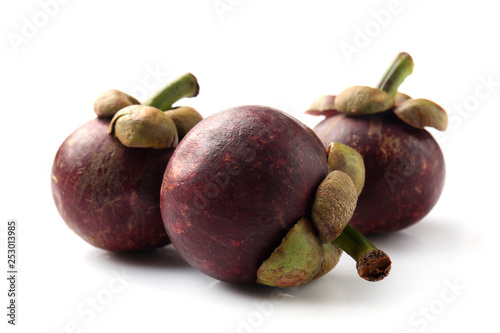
(283, 54)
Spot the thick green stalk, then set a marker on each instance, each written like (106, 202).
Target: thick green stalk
(400, 68)
(372, 264)
(184, 86)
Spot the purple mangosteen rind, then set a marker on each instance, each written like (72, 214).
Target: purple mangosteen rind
(405, 167)
(234, 189)
(236, 185)
(108, 193)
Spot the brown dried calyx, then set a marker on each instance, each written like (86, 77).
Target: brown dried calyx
(154, 124)
(334, 204)
(363, 100)
(400, 98)
(296, 261)
(337, 196)
(323, 106)
(140, 126)
(299, 258)
(314, 245)
(353, 101)
(110, 102)
(185, 118)
(421, 112)
(331, 257)
(344, 158)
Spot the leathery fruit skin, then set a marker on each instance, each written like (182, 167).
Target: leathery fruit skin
(107, 193)
(235, 185)
(405, 169)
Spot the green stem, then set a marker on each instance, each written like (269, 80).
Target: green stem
(372, 263)
(184, 86)
(400, 68)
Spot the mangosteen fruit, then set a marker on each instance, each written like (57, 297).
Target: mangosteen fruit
(106, 176)
(248, 197)
(405, 168)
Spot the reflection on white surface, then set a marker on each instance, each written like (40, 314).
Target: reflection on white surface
(161, 286)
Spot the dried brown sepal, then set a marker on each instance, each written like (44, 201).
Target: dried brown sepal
(421, 112)
(362, 100)
(334, 204)
(374, 266)
(400, 98)
(110, 102)
(140, 126)
(331, 257)
(296, 260)
(185, 118)
(344, 158)
(323, 106)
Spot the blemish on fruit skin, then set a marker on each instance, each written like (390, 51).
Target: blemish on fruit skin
(375, 127)
(95, 241)
(54, 178)
(207, 264)
(178, 228)
(425, 165)
(390, 144)
(280, 162)
(227, 158)
(234, 243)
(110, 203)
